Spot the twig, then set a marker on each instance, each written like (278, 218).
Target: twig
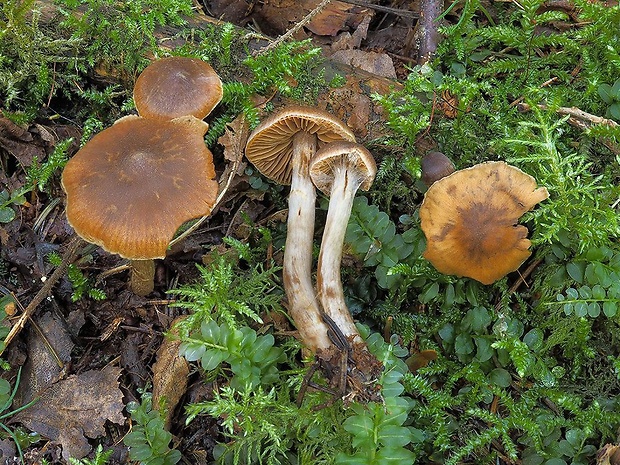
(574, 113)
(428, 31)
(288, 34)
(67, 259)
(384, 9)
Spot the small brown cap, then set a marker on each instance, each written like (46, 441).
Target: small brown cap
(132, 186)
(355, 157)
(470, 221)
(270, 146)
(435, 165)
(177, 86)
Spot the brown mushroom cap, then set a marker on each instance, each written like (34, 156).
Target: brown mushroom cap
(270, 146)
(435, 166)
(132, 186)
(177, 86)
(357, 159)
(470, 221)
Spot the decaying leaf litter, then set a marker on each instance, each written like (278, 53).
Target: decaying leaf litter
(105, 350)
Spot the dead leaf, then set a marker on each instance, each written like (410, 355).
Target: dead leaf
(49, 349)
(379, 64)
(75, 407)
(170, 373)
(334, 17)
(347, 41)
(234, 139)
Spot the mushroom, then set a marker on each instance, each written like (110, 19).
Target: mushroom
(435, 165)
(470, 221)
(338, 170)
(177, 86)
(133, 184)
(281, 148)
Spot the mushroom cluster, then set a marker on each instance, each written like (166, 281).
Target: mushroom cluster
(470, 219)
(135, 183)
(304, 147)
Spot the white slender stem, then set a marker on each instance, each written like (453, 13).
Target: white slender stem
(329, 283)
(297, 272)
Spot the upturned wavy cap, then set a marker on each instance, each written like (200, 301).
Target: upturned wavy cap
(135, 183)
(470, 219)
(177, 86)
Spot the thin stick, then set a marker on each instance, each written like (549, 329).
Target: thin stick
(384, 9)
(288, 34)
(67, 259)
(575, 113)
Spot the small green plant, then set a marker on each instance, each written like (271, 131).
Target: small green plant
(81, 285)
(33, 59)
(119, 36)
(372, 235)
(148, 441)
(596, 288)
(101, 458)
(6, 400)
(38, 174)
(252, 359)
(611, 96)
(7, 212)
(380, 431)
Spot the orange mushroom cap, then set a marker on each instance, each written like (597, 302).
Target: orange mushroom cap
(177, 86)
(133, 184)
(470, 221)
(270, 146)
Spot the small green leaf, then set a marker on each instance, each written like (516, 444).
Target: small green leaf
(500, 377)
(614, 111)
(609, 309)
(7, 214)
(394, 436)
(606, 93)
(463, 344)
(211, 359)
(576, 271)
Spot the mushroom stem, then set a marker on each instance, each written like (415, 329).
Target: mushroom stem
(329, 283)
(297, 269)
(142, 276)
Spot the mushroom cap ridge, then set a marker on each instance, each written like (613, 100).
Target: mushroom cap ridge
(354, 156)
(270, 145)
(132, 185)
(177, 86)
(470, 221)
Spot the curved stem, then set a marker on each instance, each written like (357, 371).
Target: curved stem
(329, 283)
(297, 269)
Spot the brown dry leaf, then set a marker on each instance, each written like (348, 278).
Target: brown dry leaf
(170, 373)
(36, 141)
(348, 41)
(448, 104)
(75, 407)
(234, 139)
(379, 64)
(334, 17)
